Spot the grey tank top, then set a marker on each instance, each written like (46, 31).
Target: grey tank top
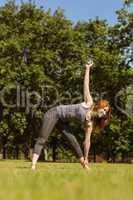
(76, 112)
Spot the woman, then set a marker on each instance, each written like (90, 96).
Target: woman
(87, 113)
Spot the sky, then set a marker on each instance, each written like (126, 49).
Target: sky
(82, 10)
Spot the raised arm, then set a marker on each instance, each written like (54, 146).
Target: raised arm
(87, 96)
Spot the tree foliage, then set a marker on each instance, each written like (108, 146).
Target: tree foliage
(42, 64)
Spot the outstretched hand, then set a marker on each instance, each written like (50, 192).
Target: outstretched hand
(89, 64)
(86, 164)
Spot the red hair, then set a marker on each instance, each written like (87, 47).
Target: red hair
(100, 123)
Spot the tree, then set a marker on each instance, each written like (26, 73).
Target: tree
(41, 65)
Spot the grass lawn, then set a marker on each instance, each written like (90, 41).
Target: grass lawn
(64, 181)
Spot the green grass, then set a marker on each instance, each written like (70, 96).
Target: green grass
(59, 181)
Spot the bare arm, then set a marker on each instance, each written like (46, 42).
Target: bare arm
(87, 143)
(87, 96)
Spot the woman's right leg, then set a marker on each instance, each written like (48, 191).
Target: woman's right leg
(73, 143)
(49, 121)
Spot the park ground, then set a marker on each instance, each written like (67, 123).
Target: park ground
(65, 181)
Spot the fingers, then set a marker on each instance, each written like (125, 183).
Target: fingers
(87, 167)
(86, 162)
(89, 64)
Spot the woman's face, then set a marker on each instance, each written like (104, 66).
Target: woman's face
(101, 112)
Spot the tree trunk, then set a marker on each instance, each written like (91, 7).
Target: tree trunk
(21, 155)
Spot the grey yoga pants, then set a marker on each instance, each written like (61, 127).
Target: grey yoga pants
(51, 118)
